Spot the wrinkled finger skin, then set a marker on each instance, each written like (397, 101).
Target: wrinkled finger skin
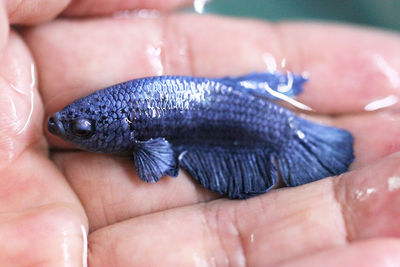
(50, 201)
(328, 217)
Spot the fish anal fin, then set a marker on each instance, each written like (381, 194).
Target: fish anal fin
(154, 159)
(237, 174)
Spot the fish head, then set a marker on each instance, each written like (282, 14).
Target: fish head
(93, 124)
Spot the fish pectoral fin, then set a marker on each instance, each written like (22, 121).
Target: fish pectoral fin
(237, 174)
(154, 159)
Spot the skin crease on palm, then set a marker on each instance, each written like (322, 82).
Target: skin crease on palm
(51, 196)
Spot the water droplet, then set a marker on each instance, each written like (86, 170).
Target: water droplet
(393, 183)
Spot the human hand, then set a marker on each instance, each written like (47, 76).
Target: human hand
(351, 219)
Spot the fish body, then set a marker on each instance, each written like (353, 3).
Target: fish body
(226, 132)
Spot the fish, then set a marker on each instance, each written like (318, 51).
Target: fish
(229, 133)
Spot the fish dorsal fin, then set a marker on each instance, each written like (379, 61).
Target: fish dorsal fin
(236, 174)
(154, 159)
(273, 86)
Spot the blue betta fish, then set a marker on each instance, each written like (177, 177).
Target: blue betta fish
(225, 132)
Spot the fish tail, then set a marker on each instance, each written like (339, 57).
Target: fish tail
(268, 84)
(315, 152)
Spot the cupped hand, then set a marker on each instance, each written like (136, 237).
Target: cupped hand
(51, 196)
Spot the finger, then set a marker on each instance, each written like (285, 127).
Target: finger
(33, 11)
(271, 228)
(347, 72)
(370, 253)
(371, 143)
(21, 106)
(373, 194)
(236, 233)
(103, 7)
(41, 220)
(351, 69)
(110, 190)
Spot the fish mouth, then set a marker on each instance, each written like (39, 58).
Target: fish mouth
(55, 126)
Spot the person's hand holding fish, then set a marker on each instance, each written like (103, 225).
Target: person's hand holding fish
(60, 204)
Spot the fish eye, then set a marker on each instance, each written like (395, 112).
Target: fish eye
(82, 128)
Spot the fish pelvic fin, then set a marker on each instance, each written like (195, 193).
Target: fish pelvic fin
(154, 159)
(315, 152)
(267, 84)
(237, 174)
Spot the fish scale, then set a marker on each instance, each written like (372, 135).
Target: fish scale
(228, 133)
(215, 112)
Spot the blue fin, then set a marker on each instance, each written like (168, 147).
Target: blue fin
(289, 84)
(154, 159)
(315, 152)
(237, 174)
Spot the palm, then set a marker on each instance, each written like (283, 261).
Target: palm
(45, 208)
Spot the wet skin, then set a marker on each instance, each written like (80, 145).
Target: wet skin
(50, 198)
